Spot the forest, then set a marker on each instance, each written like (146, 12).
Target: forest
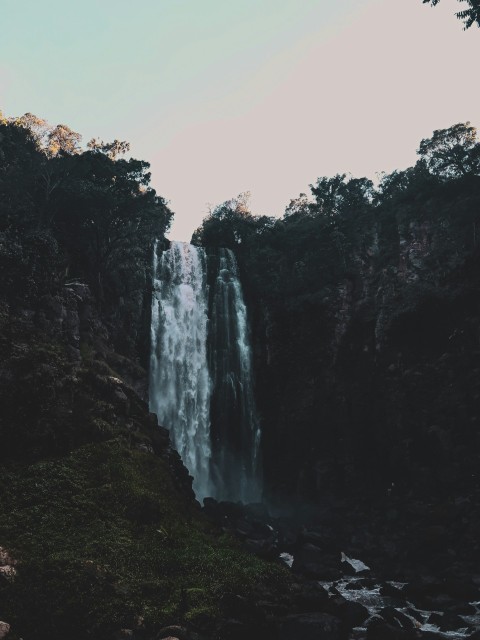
(364, 309)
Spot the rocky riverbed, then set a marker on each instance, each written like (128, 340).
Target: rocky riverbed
(345, 588)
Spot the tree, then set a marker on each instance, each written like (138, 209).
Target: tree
(452, 152)
(469, 16)
(301, 206)
(110, 149)
(38, 128)
(62, 140)
(339, 197)
(108, 214)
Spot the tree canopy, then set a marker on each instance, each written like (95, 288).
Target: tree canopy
(452, 152)
(346, 221)
(91, 212)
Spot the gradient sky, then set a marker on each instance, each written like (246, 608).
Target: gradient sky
(225, 96)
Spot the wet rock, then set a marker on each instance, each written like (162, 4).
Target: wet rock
(390, 591)
(464, 609)
(312, 626)
(352, 566)
(311, 561)
(353, 614)
(396, 618)
(447, 621)
(416, 615)
(433, 594)
(353, 586)
(378, 629)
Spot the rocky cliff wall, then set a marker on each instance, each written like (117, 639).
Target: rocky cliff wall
(372, 382)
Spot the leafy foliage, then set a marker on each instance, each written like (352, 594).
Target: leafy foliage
(469, 16)
(453, 152)
(95, 207)
(345, 286)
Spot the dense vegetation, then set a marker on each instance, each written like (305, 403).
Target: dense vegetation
(365, 309)
(73, 215)
(347, 221)
(97, 515)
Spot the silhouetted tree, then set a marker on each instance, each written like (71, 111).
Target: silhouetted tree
(452, 152)
(469, 16)
(111, 149)
(82, 213)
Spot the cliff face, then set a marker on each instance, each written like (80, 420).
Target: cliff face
(369, 382)
(374, 383)
(100, 534)
(98, 520)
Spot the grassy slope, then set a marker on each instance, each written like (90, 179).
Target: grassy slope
(104, 537)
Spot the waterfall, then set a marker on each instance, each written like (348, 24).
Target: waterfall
(235, 426)
(201, 384)
(180, 384)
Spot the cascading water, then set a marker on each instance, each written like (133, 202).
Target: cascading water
(180, 384)
(201, 385)
(235, 426)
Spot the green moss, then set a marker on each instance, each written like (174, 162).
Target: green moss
(103, 537)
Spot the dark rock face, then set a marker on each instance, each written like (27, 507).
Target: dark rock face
(368, 377)
(63, 384)
(367, 364)
(367, 387)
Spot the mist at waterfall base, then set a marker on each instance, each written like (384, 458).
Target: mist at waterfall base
(201, 384)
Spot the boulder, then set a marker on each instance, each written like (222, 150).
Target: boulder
(447, 621)
(353, 614)
(390, 591)
(396, 618)
(311, 561)
(378, 629)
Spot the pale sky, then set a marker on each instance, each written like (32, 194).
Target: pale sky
(226, 96)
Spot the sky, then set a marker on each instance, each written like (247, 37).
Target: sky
(224, 96)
